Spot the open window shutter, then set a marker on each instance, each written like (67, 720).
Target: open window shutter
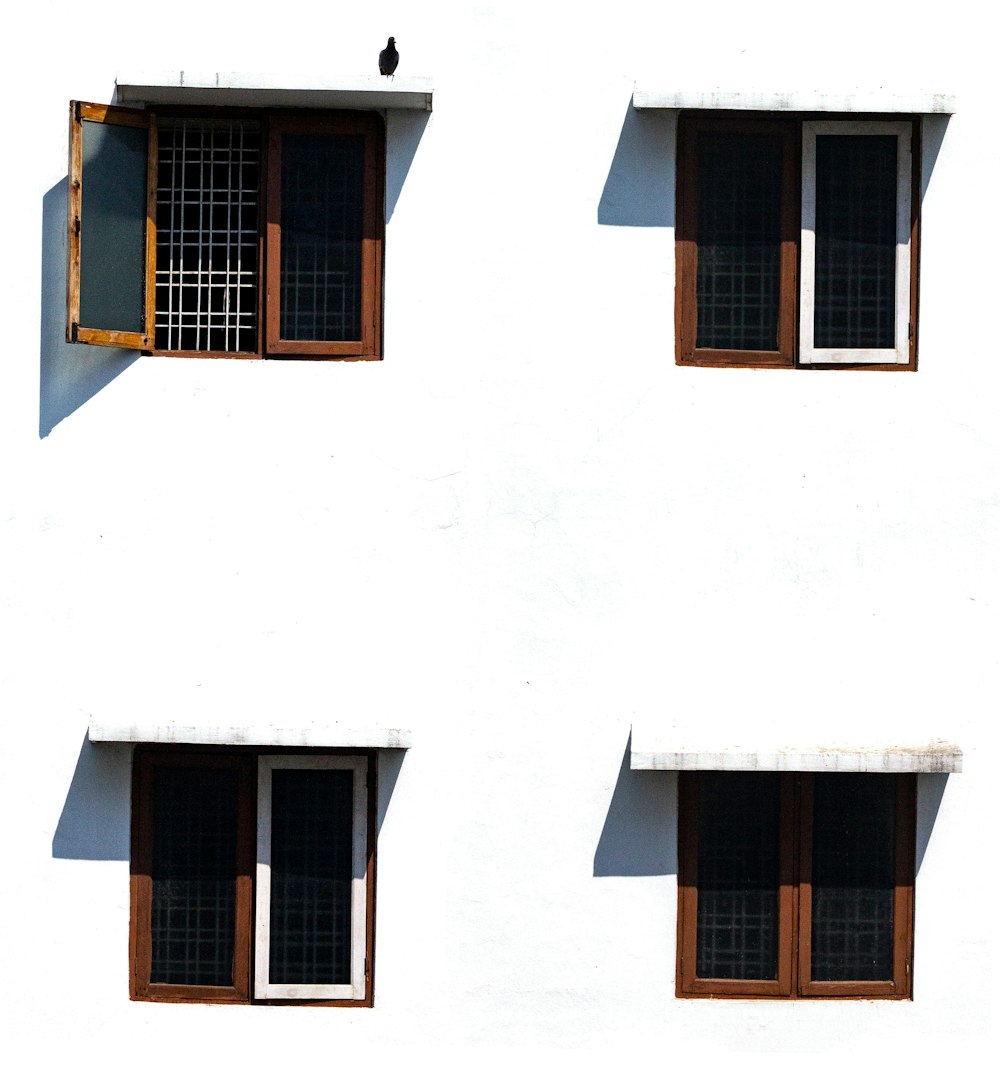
(112, 234)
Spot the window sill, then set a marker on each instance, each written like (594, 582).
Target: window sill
(273, 91)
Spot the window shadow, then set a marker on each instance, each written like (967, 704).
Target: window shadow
(390, 764)
(404, 130)
(639, 838)
(640, 188)
(932, 133)
(69, 373)
(930, 794)
(95, 822)
(96, 815)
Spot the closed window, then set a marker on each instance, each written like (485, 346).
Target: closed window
(796, 241)
(251, 877)
(795, 884)
(250, 234)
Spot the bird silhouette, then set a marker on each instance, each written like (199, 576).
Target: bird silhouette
(388, 58)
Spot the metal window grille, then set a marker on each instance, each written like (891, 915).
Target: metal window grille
(207, 225)
(855, 241)
(738, 837)
(854, 846)
(311, 834)
(739, 241)
(322, 226)
(194, 876)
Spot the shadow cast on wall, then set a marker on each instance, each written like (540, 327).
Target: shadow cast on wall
(639, 190)
(95, 818)
(69, 373)
(639, 837)
(403, 131)
(930, 794)
(95, 822)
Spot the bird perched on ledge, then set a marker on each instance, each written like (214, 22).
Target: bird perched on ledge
(388, 58)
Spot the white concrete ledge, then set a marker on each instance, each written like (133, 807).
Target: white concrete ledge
(274, 91)
(934, 757)
(310, 735)
(646, 96)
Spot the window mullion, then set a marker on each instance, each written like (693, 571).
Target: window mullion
(805, 792)
(788, 922)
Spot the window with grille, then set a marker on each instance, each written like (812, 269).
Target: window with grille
(251, 234)
(251, 877)
(796, 241)
(795, 885)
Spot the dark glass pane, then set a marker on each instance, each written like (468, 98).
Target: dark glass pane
(855, 241)
(738, 875)
(311, 829)
(322, 189)
(207, 235)
(194, 875)
(113, 228)
(854, 847)
(739, 241)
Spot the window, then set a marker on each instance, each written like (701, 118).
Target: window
(252, 864)
(248, 233)
(796, 241)
(795, 884)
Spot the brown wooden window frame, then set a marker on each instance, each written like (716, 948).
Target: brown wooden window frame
(274, 123)
(794, 979)
(246, 763)
(788, 128)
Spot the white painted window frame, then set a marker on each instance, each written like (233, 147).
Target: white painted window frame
(356, 989)
(900, 353)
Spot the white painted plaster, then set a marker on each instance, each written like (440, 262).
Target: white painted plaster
(522, 536)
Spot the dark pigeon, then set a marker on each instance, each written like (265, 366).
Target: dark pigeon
(388, 58)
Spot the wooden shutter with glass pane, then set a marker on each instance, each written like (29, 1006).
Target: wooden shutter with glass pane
(112, 235)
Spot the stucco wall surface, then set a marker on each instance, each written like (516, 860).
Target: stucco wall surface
(519, 535)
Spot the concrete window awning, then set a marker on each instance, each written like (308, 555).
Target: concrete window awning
(312, 734)
(839, 100)
(274, 90)
(650, 753)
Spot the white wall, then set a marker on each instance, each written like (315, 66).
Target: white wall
(521, 533)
